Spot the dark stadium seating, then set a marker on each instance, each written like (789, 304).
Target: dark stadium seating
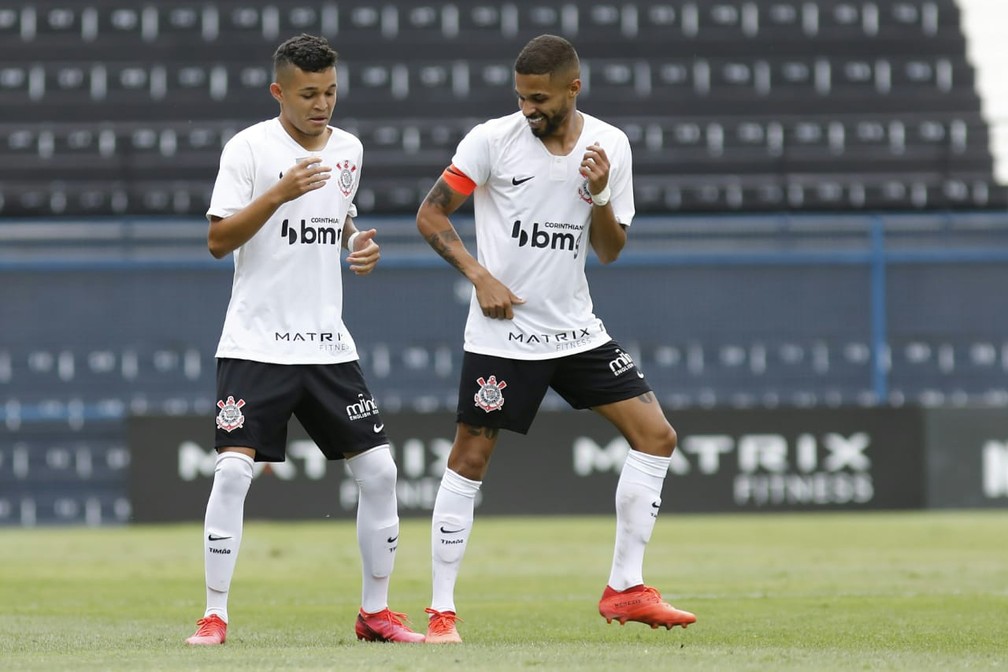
(424, 376)
(739, 104)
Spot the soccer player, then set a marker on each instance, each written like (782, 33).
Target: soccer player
(283, 204)
(548, 181)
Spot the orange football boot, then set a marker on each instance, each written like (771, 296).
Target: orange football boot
(211, 630)
(385, 626)
(643, 604)
(441, 627)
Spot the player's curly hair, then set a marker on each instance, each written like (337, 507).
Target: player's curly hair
(305, 52)
(547, 55)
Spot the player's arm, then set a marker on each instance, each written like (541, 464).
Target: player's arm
(433, 221)
(606, 235)
(227, 234)
(364, 251)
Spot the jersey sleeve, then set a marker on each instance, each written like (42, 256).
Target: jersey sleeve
(472, 156)
(233, 188)
(356, 176)
(621, 180)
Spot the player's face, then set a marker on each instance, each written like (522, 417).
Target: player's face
(545, 101)
(306, 99)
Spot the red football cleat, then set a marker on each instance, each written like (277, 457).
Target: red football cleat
(441, 627)
(643, 604)
(385, 626)
(211, 630)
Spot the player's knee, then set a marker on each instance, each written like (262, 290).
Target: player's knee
(381, 472)
(662, 441)
(469, 464)
(233, 474)
(671, 439)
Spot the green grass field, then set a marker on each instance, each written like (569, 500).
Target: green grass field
(894, 591)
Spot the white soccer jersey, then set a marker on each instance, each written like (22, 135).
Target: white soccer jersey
(533, 210)
(287, 297)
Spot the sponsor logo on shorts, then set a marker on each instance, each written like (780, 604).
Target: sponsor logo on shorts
(622, 364)
(489, 396)
(230, 416)
(364, 408)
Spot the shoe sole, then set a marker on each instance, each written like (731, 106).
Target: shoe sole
(383, 640)
(623, 620)
(372, 636)
(443, 640)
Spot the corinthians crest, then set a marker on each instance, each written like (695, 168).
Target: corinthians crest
(489, 396)
(230, 416)
(346, 176)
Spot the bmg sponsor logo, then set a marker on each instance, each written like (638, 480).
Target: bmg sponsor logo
(307, 234)
(551, 235)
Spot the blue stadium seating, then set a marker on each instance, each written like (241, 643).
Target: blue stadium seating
(772, 104)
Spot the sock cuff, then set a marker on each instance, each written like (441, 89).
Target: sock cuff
(460, 485)
(241, 457)
(652, 465)
(370, 452)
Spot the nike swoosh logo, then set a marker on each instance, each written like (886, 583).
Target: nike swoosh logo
(392, 540)
(214, 537)
(515, 181)
(378, 428)
(444, 531)
(640, 375)
(655, 505)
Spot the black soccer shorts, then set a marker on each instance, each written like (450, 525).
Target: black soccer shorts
(502, 393)
(256, 401)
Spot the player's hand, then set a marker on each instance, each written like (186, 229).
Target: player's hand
(366, 253)
(595, 167)
(308, 174)
(495, 299)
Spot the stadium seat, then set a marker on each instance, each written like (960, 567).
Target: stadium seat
(730, 105)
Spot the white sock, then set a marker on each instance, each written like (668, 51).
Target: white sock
(638, 498)
(377, 523)
(451, 525)
(222, 527)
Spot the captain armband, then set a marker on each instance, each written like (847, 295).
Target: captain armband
(458, 180)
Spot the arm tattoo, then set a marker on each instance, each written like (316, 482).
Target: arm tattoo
(440, 241)
(440, 194)
(440, 197)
